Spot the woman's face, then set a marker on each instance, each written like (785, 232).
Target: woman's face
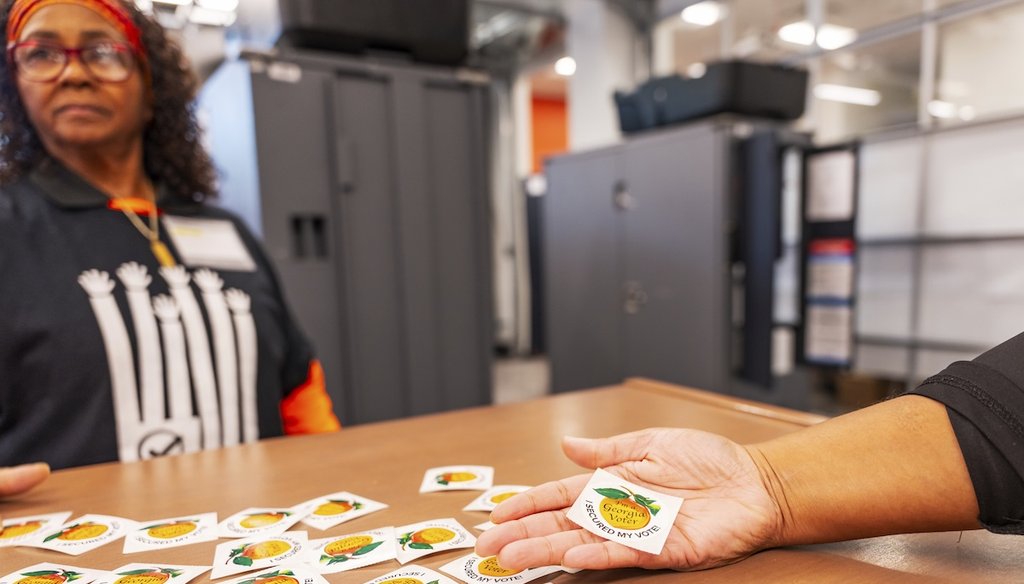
(75, 110)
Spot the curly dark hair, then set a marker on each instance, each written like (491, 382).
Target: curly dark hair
(173, 153)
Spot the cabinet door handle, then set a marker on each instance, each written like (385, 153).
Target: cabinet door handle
(621, 197)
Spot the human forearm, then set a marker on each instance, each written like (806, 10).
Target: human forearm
(892, 468)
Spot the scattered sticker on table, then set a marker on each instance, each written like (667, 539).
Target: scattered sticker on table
(337, 508)
(355, 550)
(412, 575)
(258, 553)
(153, 574)
(626, 513)
(430, 537)
(457, 478)
(298, 574)
(256, 521)
(86, 533)
(20, 530)
(490, 498)
(473, 568)
(48, 573)
(172, 532)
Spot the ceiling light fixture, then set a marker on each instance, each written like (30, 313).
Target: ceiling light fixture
(829, 37)
(704, 13)
(847, 94)
(566, 66)
(942, 109)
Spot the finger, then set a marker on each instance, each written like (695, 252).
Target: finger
(543, 551)
(19, 479)
(603, 452)
(494, 539)
(546, 497)
(605, 555)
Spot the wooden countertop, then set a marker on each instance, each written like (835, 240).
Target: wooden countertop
(386, 461)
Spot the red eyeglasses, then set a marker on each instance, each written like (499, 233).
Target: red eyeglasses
(43, 61)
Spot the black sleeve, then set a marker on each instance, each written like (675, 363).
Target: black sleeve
(985, 401)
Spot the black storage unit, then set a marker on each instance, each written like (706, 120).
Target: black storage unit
(374, 203)
(431, 32)
(751, 89)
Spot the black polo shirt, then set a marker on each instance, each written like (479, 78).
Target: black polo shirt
(103, 356)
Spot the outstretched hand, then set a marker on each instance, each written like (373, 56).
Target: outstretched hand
(727, 514)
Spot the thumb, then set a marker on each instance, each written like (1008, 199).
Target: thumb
(18, 479)
(604, 452)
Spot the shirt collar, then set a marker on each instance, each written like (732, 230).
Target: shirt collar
(66, 189)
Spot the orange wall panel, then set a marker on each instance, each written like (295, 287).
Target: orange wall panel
(550, 129)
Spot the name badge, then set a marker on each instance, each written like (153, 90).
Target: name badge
(212, 243)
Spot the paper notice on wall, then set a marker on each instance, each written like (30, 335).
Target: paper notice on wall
(828, 338)
(831, 180)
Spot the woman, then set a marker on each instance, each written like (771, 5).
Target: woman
(136, 320)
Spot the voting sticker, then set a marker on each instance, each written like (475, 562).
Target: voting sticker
(19, 530)
(47, 573)
(473, 568)
(484, 526)
(258, 553)
(355, 550)
(493, 496)
(457, 478)
(429, 537)
(256, 521)
(88, 532)
(173, 532)
(282, 575)
(626, 513)
(412, 575)
(337, 508)
(153, 574)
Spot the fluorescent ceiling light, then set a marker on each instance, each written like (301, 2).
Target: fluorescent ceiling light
(828, 37)
(144, 5)
(942, 109)
(223, 5)
(702, 13)
(847, 94)
(832, 37)
(566, 66)
(174, 2)
(798, 33)
(205, 16)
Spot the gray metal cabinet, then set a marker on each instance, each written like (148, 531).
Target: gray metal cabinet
(636, 259)
(374, 204)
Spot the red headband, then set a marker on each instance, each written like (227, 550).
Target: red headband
(111, 10)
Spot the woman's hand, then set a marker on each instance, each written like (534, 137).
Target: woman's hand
(18, 479)
(728, 513)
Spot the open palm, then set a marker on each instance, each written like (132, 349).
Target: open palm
(727, 514)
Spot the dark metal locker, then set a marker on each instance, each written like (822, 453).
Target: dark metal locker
(375, 204)
(582, 269)
(676, 252)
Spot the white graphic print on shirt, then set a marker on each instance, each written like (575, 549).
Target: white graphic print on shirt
(182, 366)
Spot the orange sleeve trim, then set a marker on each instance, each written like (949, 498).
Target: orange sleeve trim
(307, 409)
